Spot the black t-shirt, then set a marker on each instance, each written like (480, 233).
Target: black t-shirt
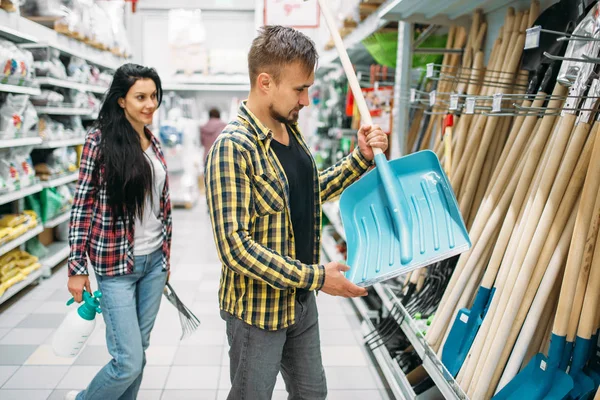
(298, 168)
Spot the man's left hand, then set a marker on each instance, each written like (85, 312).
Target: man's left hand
(370, 136)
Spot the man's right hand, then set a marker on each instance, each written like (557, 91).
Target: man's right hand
(336, 283)
(76, 285)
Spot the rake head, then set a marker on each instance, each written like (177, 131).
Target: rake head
(189, 322)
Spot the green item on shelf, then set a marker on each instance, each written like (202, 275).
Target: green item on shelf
(36, 248)
(33, 203)
(52, 204)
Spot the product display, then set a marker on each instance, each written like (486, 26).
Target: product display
(15, 225)
(15, 266)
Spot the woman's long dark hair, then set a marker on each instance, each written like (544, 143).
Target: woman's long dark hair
(127, 172)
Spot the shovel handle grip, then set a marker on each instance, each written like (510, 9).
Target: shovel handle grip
(359, 98)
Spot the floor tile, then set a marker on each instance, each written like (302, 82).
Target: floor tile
(205, 337)
(343, 356)
(41, 292)
(78, 377)
(54, 307)
(335, 322)
(44, 355)
(165, 337)
(6, 371)
(160, 355)
(10, 320)
(22, 306)
(36, 321)
(349, 378)
(149, 394)
(26, 336)
(3, 332)
(353, 395)
(59, 394)
(93, 356)
(330, 337)
(189, 395)
(155, 377)
(199, 355)
(193, 378)
(15, 354)
(25, 394)
(36, 377)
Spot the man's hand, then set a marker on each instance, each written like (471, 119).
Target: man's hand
(337, 285)
(76, 285)
(369, 137)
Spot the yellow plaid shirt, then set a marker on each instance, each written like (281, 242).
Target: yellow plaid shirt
(247, 193)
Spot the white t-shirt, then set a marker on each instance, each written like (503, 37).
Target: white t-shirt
(148, 230)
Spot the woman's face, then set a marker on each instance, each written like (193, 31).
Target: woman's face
(140, 102)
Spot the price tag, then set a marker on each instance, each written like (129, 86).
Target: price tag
(470, 105)
(543, 365)
(464, 318)
(532, 37)
(453, 102)
(413, 95)
(432, 96)
(430, 70)
(497, 103)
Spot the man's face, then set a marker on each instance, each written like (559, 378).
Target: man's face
(291, 94)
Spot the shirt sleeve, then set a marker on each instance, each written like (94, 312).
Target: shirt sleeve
(228, 191)
(81, 213)
(339, 176)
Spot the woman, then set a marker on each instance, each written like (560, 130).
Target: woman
(121, 220)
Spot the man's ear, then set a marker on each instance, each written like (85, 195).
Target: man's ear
(265, 82)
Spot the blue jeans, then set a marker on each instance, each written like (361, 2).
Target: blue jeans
(129, 307)
(258, 355)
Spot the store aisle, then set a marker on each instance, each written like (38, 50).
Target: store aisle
(196, 368)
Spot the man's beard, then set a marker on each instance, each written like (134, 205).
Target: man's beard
(284, 119)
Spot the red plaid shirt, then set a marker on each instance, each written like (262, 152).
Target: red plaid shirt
(91, 232)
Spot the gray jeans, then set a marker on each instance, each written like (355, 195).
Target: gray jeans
(257, 356)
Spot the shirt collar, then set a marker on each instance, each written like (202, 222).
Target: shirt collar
(258, 127)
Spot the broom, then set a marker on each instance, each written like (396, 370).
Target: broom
(189, 322)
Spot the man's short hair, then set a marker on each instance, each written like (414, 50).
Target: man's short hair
(277, 46)
(214, 113)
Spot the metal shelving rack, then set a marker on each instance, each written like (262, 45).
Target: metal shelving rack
(30, 34)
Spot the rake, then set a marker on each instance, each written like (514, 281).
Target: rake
(189, 322)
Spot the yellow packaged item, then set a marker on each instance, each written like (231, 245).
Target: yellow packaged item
(6, 285)
(12, 220)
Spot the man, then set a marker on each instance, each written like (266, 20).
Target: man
(264, 194)
(210, 131)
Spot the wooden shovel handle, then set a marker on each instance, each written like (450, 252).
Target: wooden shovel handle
(359, 97)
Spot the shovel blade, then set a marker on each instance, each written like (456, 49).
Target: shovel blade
(538, 380)
(374, 243)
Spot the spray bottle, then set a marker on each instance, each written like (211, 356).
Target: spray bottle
(77, 327)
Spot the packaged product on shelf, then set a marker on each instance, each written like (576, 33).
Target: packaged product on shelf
(48, 98)
(42, 8)
(53, 204)
(15, 266)
(115, 11)
(79, 70)
(9, 5)
(36, 248)
(17, 64)
(11, 115)
(30, 119)
(102, 32)
(24, 166)
(9, 171)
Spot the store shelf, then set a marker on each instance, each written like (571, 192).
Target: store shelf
(431, 363)
(395, 377)
(443, 12)
(10, 143)
(206, 87)
(44, 81)
(55, 144)
(32, 277)
(20, 240)
(332, 211)
(32, 91)
(8, 23)
(352, 42)
(57, 253)
(19, 194)
(63, 111)
(58, 220)
(61, 181)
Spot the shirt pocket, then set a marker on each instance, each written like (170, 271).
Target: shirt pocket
(267, 194)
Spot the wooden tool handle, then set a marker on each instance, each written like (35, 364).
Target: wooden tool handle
(359, 98)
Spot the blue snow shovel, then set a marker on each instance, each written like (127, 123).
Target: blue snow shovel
(402, 215)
